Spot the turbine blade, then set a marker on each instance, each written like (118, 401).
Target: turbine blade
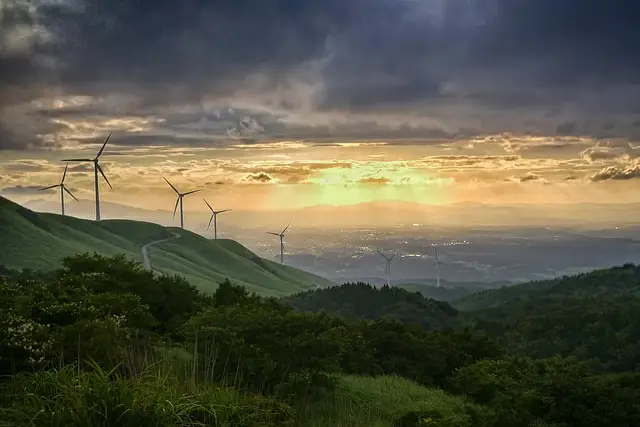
(171, 185)
(223, 211)
(103, 175)
(208, 205)
(65, 173)
(275, 234)
(286, 228)
(103, 145)
(210, 219)
(176, 207)
(70, 193)
(191, 192)
(77, 160)
(49, 187)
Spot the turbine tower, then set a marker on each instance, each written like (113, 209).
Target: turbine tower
(281, 235)
(63, 188)
(214, 218)
(96, 169)
(179, 201)
(387, 266)
(437, 265)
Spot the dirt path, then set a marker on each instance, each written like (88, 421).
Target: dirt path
(145, 250)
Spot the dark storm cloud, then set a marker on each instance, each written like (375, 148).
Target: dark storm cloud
(492, 56)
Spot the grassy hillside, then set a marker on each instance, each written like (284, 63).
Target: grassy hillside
(617, 280)
(377, 402)
(355, 301)
(40, 241)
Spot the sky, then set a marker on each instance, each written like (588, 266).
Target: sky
(276, 104)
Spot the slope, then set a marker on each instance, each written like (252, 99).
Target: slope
(448, 291)
(593, 316)
(382, 401)
(616, 280)
(355, 301)
(40, 241)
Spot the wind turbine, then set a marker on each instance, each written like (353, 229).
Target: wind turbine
(437, 265)
(214, 218)
(281, 235)
(387, 266)
(179, 201)
(63, 188)
(96, 169)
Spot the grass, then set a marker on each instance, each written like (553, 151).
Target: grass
(96, 398)
(40, 241)
(377, 402)
(71, 398)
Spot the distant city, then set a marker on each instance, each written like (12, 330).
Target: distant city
(489, 255)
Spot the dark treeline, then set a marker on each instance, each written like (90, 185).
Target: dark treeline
(114, 320)
(594, 317)
(356, 301)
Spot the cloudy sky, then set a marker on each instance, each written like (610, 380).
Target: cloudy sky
(294, 103)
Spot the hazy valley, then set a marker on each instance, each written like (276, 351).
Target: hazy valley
(469, 254)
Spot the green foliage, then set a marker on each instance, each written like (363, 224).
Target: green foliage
(171, 300)
(384, 401)
(570, 320)
(63, 321)
(133, 348)
(261, 338)
(355, 301)
(68, 397)
(557, 391)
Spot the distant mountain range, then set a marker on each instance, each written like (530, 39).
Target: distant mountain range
(379, 214)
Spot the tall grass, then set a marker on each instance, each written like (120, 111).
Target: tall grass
(96, 398)
(204, 386)
(380, 402)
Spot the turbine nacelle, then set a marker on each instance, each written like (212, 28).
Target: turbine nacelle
(96, 168)
(281, 235)
(387, 265)
(63, 189)
(214, 214)
(179, 201)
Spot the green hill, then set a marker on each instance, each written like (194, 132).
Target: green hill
(592, 316)
(617, 280)
(39, 241)
(356, 301)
